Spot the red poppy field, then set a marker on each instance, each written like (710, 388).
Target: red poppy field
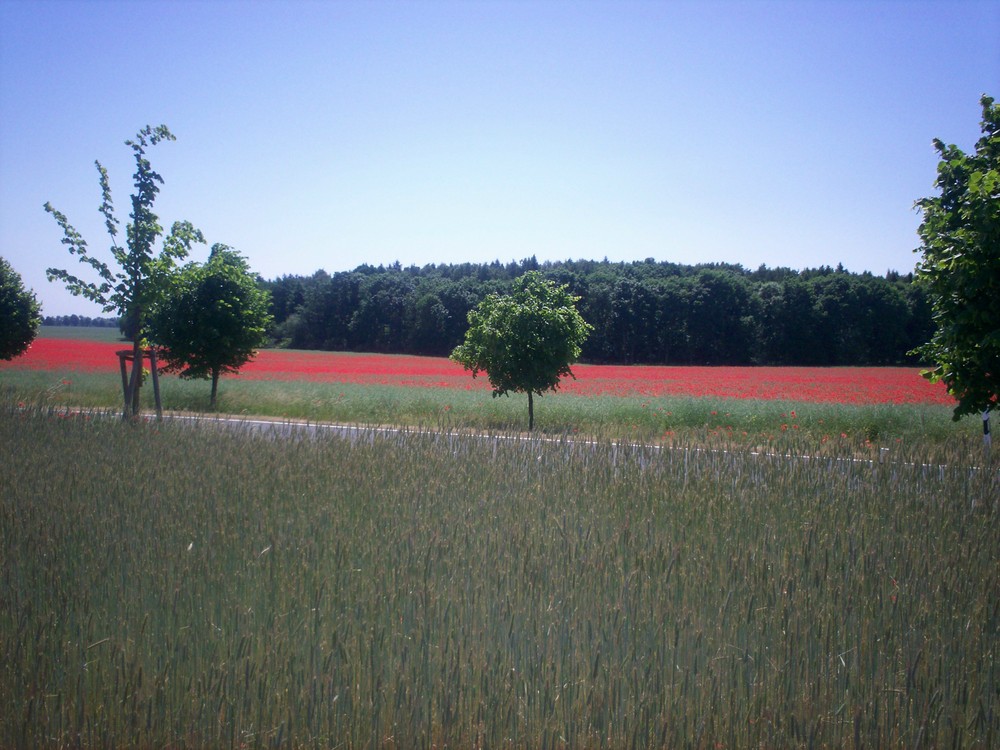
(854, 385)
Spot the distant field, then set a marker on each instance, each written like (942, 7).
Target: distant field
(78, 367)
(83, 333)
(65, 349)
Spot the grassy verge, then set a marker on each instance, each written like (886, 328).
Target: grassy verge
(83, 333)
(189, 587)
(740, 422)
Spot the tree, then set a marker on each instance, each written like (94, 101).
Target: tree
(20, 313)
(212, 318)
(427, 324)
(633, 325)
(132, 290)
(719, 320)
(524, 341)
(960, 269)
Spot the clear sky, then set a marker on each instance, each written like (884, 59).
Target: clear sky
(329, 134)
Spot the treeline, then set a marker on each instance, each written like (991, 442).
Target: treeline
(643, 312)
(79, 320)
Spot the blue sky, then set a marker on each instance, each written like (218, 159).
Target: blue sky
(329, 134)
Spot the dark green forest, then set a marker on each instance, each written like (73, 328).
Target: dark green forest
(644, 312)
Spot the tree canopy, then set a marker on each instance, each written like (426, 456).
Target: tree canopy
(133, 288)
(643, 312)
(19, 313)
(524, 341)
(211, 318)
(960, 235)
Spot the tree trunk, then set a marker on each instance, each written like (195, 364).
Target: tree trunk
(531, 413)
(132, 382)
(136, 384)
(215, 387)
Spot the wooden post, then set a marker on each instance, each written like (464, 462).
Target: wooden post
(156, 384)
(134, 383)
(129, 384)
(122, 355)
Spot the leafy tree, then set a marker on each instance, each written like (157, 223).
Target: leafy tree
(642, 312)
(884, 319)
(428, 325)
(719, 319)
(960, 236)
(379, 322)
(633, 324)
(212, 318)
(596, 306)
(672, 312)
(524, 341)
(19, 313)
(133, 289)
(919, 320)
(839, 317)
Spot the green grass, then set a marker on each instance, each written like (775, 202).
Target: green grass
(712, 421)
(85, 333)
(762, 424)
(194, 587)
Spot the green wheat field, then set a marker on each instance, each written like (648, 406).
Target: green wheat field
(186, 586)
